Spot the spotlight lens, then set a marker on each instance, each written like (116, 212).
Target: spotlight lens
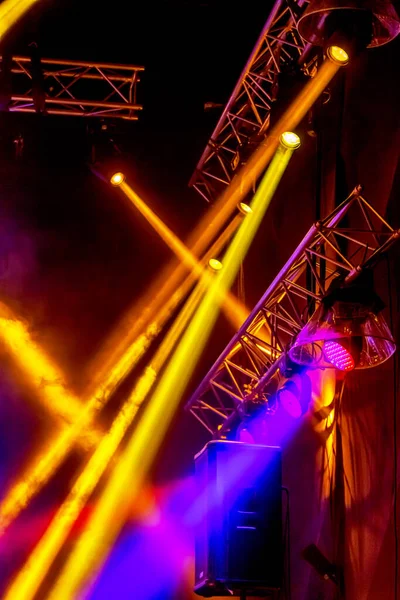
(117, 178)
(215, 264)
(245, 208)
(288, 397)
(338, 356)
(338, 55)
(290, 139)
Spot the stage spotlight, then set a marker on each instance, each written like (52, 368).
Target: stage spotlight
(215, 264)
(244, 208)
(295, 394)
(337, 55)
(289, 139)
(351, 316)
(117, 178)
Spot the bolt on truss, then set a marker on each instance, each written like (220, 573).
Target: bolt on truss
(77, 88)
(246, 117)
(353, 237)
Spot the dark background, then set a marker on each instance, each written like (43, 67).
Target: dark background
(74, 256)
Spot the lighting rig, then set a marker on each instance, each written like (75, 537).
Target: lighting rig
(293, 40)
(320, 311)
(73, 87)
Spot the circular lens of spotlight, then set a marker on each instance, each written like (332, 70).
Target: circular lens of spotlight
(340, 358)
(289, 139)
(288, 397)
(245, 208)
(215, 264)
(117, 178)
(337, 55)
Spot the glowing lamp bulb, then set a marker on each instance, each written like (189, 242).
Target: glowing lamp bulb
(289, 139)
(245, 208)
(117, 178)
(215, 264)
(340, 358)
(337, 55)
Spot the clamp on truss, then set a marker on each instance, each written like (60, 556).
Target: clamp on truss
(352, 238)
(246, 117)
(75, 88)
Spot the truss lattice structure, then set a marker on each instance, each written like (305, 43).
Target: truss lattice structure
(77, 88)
(349, 240)
(246, 116)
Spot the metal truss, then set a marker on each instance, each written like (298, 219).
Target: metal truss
(77, 88)
(246, 117)
(353, 237)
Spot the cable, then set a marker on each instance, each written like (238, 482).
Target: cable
(288, 591)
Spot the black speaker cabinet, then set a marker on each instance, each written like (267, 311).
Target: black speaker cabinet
(239, 532)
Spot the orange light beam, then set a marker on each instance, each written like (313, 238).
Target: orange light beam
(32, 574)
(49, 459)
(234, 310)
(134, 462)
(109, 357)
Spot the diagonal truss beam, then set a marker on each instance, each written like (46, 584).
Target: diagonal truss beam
(77, 88)
(331, 249)
(246, 116)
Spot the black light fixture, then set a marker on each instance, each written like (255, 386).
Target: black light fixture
(348, 331)
(295, 395)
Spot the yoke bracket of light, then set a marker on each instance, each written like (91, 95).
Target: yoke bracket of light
(348, 331)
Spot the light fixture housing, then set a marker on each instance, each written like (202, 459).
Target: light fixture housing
(117, 178)
(244, 208)
(215, 264)
(295, 395)
(337, 55)
(369, 23)
(352, 318)
(290, 140)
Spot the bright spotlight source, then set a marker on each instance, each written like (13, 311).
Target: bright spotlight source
(289, 139)
(215, 264)
(244, 208)
(337, 354)
(117, 178)
(337, 55)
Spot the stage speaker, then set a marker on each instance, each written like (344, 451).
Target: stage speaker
(238, 544)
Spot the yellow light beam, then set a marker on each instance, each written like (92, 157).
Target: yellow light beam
(153, 317)
(38, 370)
(11, 11)
(128, 475)
(30, 577)
(170, 277)
(235, 311)
(105, 381)
(242, 183)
